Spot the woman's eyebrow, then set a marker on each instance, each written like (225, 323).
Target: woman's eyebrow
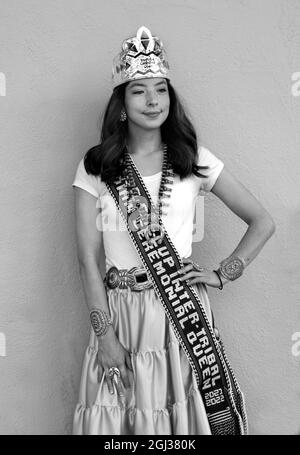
(144, 85)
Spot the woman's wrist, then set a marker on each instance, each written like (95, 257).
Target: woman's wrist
(224, 280)
(108, 337)
(100, 321)
(231, 268)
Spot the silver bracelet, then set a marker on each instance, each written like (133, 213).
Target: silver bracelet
(100, 321)
(232, 267)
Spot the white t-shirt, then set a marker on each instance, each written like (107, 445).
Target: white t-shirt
(178, 219)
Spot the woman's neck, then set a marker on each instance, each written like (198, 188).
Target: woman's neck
(144, 147)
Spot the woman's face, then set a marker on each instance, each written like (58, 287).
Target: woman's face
(147, 95)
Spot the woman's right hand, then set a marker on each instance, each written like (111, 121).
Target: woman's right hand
(111, 353)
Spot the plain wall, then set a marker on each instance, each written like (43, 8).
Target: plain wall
(233, 63)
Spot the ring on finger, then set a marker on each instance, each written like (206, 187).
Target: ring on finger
(197, 267)
(115, 378)
(112, 371)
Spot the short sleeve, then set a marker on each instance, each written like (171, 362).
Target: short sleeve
(87, 182)
(207, 158)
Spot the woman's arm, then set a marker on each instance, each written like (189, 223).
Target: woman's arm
(89, 240)
(240, 201)
(111, 353)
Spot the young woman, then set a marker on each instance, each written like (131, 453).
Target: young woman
(155, 363)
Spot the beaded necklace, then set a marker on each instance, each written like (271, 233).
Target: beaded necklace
(154, 217)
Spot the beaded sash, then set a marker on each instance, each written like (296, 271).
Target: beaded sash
(222, 397)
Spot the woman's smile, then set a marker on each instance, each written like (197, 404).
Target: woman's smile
(155, 115)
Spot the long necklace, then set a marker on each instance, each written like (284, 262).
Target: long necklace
(154, 218)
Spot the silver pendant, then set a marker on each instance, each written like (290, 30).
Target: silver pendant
(153, 227)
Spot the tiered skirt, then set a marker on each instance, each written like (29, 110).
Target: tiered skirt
(164, 398)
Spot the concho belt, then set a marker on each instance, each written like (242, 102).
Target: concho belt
(135, 278)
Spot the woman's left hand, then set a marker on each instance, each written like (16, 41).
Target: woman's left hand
(192, 275)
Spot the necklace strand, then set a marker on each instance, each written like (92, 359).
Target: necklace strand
(164, 191)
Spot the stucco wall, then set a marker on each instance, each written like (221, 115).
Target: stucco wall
(236, 64)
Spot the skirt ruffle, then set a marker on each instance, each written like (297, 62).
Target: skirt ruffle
(164, 398)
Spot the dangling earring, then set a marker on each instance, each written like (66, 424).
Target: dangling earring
(123, 116)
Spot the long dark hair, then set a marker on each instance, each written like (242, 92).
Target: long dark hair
(105, 159)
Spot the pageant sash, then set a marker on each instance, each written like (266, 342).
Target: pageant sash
(222, 397)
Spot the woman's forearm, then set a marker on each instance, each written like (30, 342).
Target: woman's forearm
(94, 289)
(257, 234)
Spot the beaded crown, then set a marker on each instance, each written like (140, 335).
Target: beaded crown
(140, 57)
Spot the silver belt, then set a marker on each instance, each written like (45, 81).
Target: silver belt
(135, 278)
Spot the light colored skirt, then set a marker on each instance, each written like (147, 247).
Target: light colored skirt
(164, 398)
